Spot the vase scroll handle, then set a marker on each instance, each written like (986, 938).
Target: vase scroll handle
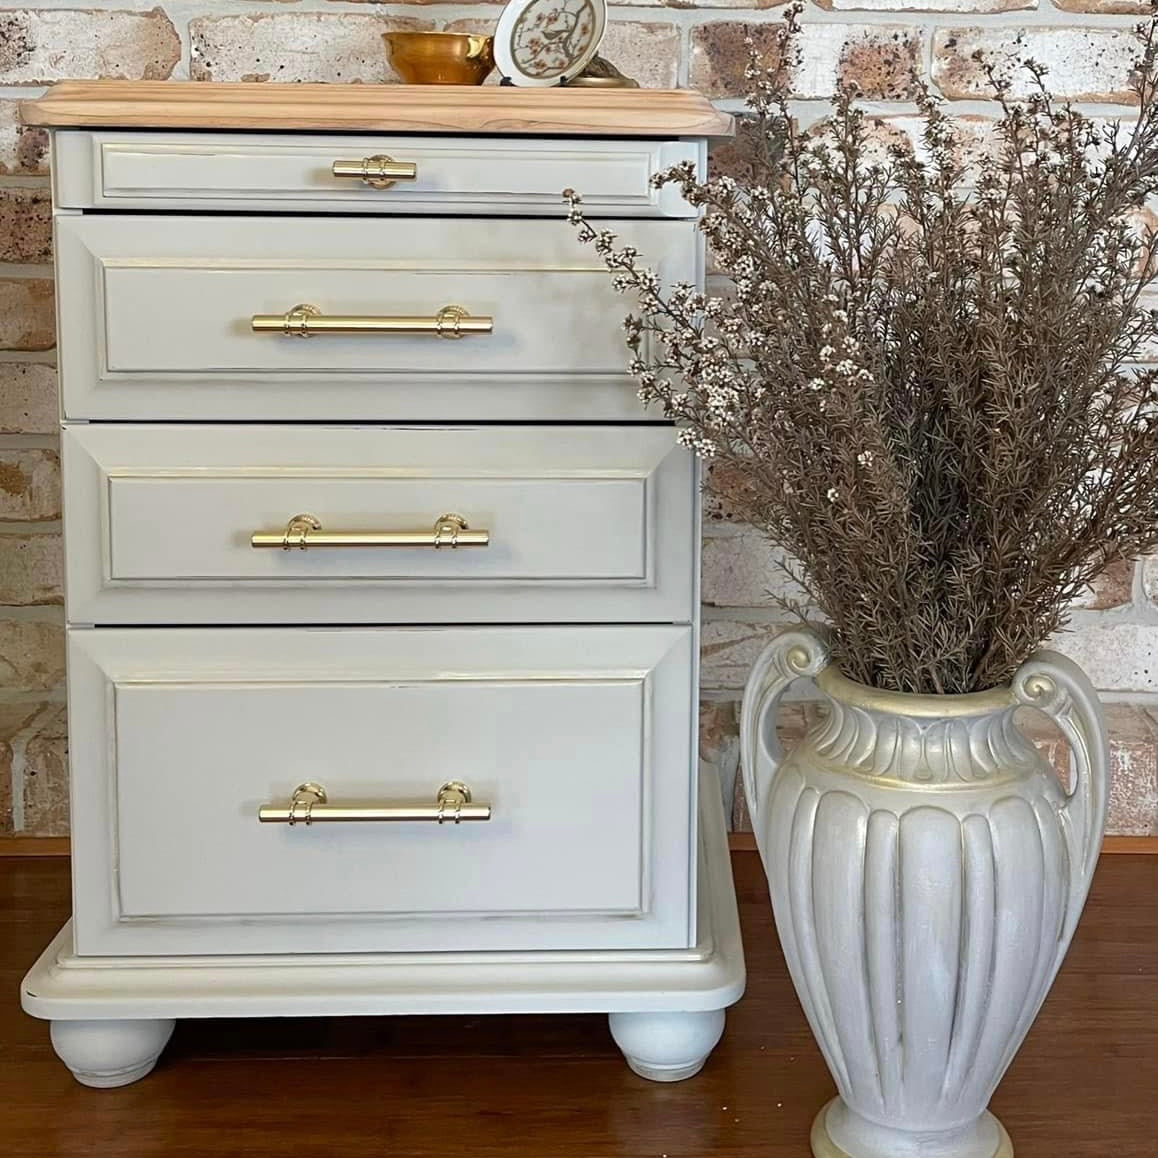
(793, 655)
(1056, 686)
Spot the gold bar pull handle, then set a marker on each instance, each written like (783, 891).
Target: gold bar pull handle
(309, 804)
(378, 172)
(304, 532)
(307, 321)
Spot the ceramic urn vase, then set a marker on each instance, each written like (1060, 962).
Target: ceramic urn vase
(927, 870)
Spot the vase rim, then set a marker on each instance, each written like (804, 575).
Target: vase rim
(834, 683)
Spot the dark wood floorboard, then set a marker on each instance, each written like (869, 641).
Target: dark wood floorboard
(1084, 1086)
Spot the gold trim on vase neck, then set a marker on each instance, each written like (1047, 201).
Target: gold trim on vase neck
(847, 691)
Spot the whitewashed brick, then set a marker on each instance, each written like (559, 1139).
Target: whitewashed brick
(968, 6)
(46, 775)
(23, 151)
(5, 788)
(1150, 578)
(25, 226)
(754, 5)
(647, 51)
(29, 485)
(1119, 657)
(977, 145)
(1105, 7)
(1114, 587)
(1085, 64)
(41, 45)
(295, 46)
(884, 61)
(728, 649)
(31, 654)
(27, 314)
(650, 53)
(745, 570)
(31, 570)
(27, 398)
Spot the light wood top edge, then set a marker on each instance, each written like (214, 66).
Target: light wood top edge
(114, 104)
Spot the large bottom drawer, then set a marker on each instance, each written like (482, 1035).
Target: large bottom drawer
(579, 740)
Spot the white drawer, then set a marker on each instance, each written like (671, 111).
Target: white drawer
(585, 523)
(156, 318)
(292, 173)
(579, 740)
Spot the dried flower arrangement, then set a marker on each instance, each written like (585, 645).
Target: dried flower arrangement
(922, 381)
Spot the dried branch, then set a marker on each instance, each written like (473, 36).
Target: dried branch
(923, 375)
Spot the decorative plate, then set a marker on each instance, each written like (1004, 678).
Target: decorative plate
(546, 42)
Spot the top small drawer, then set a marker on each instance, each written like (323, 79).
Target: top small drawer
(281, 173)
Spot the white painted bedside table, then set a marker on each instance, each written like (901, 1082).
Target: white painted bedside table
(382, 587)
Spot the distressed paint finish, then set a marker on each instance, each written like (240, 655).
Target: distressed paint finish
(927, 871)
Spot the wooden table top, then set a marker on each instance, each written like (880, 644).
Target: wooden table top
(556, 1087)
(377, 108)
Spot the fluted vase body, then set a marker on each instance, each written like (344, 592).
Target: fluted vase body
(927, 870)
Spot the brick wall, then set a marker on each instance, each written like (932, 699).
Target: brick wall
(878, 43)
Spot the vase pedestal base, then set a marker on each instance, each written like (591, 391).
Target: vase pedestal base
(837, 1132)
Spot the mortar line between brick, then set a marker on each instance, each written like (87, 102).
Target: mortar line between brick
(24, 181)
(28, 357)
(1044, 15)
(756, 616)
(43, 527)
(54, 696)
(34, 614)
(26, 272)
(20, 441)
(909, 19)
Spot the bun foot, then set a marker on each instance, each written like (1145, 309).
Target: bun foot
(667, 1047)
(106, 1054)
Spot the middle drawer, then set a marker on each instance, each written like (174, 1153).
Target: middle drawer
(288, 524)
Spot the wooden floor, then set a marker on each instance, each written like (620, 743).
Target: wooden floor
(1084, 1086)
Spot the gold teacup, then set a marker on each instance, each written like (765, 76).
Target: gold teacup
(440, 57)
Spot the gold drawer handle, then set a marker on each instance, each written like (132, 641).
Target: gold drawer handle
(306, 321)
(309, 805)
(305, 532)
(379, 171)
